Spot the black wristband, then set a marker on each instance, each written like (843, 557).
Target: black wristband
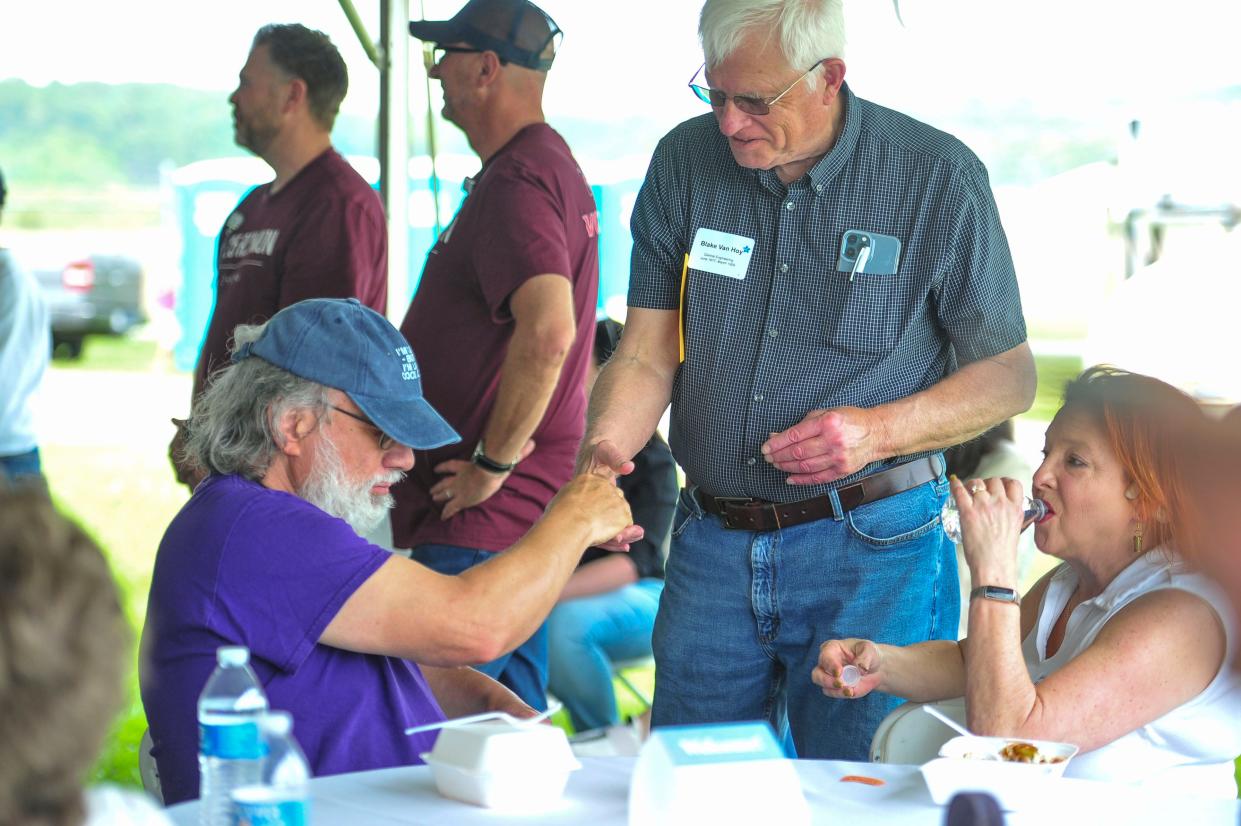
(488, 464)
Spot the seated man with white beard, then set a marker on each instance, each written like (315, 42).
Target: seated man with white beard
(304, 433)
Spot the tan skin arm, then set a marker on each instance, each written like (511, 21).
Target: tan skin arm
(834, 442)
(406, 610)
(632, 391)
(1170, 643)
(543, 332)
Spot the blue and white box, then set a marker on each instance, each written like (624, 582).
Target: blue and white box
(724, 773)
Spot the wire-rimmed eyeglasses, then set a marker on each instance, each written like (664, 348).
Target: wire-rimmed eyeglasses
(385, 441)
(749, 104)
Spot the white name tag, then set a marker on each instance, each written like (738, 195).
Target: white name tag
(721, 253)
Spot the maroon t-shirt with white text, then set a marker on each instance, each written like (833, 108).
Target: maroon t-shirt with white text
(323, 235)
(528, 212)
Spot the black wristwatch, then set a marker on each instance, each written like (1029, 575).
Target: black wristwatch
(488, 464)
(996, 593)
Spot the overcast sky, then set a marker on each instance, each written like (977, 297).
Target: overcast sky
(635, 56)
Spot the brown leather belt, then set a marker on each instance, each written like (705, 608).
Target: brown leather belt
(757, 515)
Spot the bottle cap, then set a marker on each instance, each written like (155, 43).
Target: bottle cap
(233, 655)
(850, 676)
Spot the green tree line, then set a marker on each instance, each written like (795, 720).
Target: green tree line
(97, 134)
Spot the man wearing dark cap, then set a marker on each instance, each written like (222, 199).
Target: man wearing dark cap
(318, 229)
(304, 434)
(504, 315)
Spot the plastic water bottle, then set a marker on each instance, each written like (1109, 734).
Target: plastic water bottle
(230, 744)
(281, 798)
(1034, 510)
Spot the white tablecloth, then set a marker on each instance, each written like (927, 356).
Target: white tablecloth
(598, 795)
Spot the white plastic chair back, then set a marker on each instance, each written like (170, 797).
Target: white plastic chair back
(910, 735)
(148, 769)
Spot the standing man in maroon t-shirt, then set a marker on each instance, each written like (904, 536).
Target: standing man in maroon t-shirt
(503, 320)
(318, 229)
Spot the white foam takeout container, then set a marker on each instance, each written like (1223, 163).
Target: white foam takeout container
(501, 765)
(973, 764)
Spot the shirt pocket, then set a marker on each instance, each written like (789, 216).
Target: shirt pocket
(866, 314)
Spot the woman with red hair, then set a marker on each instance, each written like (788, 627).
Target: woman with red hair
(1123, 649)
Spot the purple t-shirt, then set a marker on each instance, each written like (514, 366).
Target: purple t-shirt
(244, 565)
(323, 235)
(530, 212)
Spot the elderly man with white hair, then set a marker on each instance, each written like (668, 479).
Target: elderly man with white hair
(304, 434)
(822, 290)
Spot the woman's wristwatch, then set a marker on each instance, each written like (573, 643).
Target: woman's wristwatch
(996, 593)
(488, 464)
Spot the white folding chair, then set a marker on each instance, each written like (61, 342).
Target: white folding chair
(148, 769)
(910, 735)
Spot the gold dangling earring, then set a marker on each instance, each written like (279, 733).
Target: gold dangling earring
(1137, 539)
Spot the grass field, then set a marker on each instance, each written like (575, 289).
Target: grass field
(106, 461)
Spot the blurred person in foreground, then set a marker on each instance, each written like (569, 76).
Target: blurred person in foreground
(516, 274)
(607, 610)
(317, 230)
(25, 347)
(1123, 650)
(822, 290)
(64, 655)
(304, 434)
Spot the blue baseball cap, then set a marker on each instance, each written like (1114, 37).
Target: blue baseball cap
(340, 343)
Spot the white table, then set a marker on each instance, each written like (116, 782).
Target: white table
(598, 795)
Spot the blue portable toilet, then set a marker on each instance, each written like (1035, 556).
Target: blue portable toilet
(615, 185)
(204, 194)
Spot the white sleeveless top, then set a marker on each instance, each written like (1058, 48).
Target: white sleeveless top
(1189, 750)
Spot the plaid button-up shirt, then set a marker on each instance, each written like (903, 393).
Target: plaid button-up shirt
(796, 333)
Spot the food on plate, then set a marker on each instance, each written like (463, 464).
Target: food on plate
(1018, 752)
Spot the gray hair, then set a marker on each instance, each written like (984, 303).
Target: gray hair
(232, 425)
(808, 30)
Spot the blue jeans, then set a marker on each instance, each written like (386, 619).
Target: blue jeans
(585, 635)
(743, 613)
(22, 467)
(524, 669)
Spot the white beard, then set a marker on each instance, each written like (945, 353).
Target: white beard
(329, 489)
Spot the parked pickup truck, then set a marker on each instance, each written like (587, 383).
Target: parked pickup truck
(98, 294)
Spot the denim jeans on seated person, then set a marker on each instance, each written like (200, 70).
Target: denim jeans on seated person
(586, 635)
(524, 669)
(743, 613)
(22, 467)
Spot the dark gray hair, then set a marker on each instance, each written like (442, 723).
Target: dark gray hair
(232, 425)
(310, 55)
